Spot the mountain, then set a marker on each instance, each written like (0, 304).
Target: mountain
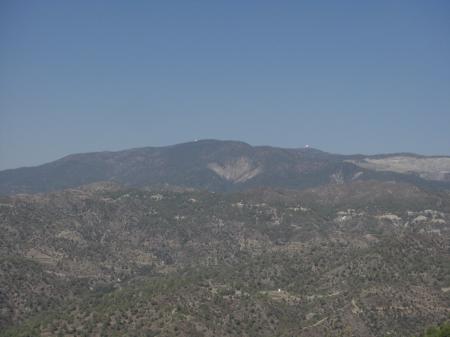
(220, 238)
(224, 166)
(364, 258)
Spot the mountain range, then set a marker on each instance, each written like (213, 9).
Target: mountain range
(225, 166)
(220, 238)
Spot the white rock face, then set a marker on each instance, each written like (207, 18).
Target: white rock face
(346, 215)
(390, 217)
(337, 178)
(157, 197)
(237, 171)
(436, 168)
(420, 218)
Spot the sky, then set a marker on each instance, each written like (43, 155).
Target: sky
(341, 76)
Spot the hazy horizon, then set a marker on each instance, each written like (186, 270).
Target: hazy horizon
(225, 140)
(344, 77)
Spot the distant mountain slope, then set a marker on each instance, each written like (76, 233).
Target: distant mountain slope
(223, 166)
(431, 168)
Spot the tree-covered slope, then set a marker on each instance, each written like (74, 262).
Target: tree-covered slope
(360, 259)
(223, 166)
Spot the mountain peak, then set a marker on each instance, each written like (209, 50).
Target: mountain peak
(223, 165)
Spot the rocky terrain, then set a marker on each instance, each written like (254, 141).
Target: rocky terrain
(359, 258)
(225, 166)
(430, 168)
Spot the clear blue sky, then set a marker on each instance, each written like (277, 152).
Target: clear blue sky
(342, 76)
